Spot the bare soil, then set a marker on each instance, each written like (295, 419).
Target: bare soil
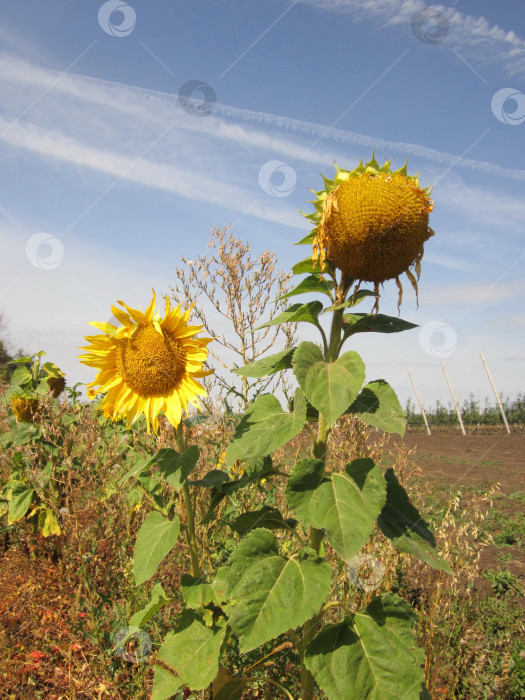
(478, 460)
(475, 459)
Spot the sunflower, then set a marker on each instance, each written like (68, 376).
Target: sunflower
(25, 408)
(147, 365)
(372, 224)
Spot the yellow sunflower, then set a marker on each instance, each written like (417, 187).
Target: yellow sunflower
(148, 365)
(372, 223)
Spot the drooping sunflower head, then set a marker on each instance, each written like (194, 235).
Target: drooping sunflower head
(25, 408)
(148, 365)
(56, 385)
(372, 223)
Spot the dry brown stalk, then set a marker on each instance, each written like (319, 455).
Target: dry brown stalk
(241, 288)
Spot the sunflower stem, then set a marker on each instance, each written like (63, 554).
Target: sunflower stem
(316, 536)
(189, 510)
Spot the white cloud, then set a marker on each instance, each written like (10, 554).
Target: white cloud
(472, 37)
(157, 110)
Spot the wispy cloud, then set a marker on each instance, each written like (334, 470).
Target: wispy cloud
(142, 136)
(226, 122)
(472, 37)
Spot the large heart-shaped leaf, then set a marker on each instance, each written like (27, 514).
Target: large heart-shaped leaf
(270, 594)
(371, 654)
(378, 405)
(193, 651)
(265, 427)
(155, 539)
(401, 522)
(345, 505)
(332, 386)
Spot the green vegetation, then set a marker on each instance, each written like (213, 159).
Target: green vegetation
(472, 412)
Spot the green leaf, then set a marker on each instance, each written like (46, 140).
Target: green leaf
(158, 599)
(270, 594)
(175, 467)
(20, 499)
(374, 323)
(196, 592)
(329, 386)
(155, 539)
(305, 478)
(220, 583)
(266, 427)
(268, 365)
(306, 355)
(267, 517)
(193, 651)
(307, 240)
(215, 477)
(165, 684)
(371, 654)
(345, 505)
(400, 521)
(21, 377)
(226, 687)
(48, 523)
(309, 313)
(378, 405)
(312, 283)
(51, 370)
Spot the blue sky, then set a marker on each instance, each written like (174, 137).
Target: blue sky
(106, 180)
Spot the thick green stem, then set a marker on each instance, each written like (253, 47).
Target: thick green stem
(188, 511)
(190, 532)
(319, 449)
(316, 536)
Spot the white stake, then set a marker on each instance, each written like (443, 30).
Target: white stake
(419, 400)
(495, 394)
(453, 399)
